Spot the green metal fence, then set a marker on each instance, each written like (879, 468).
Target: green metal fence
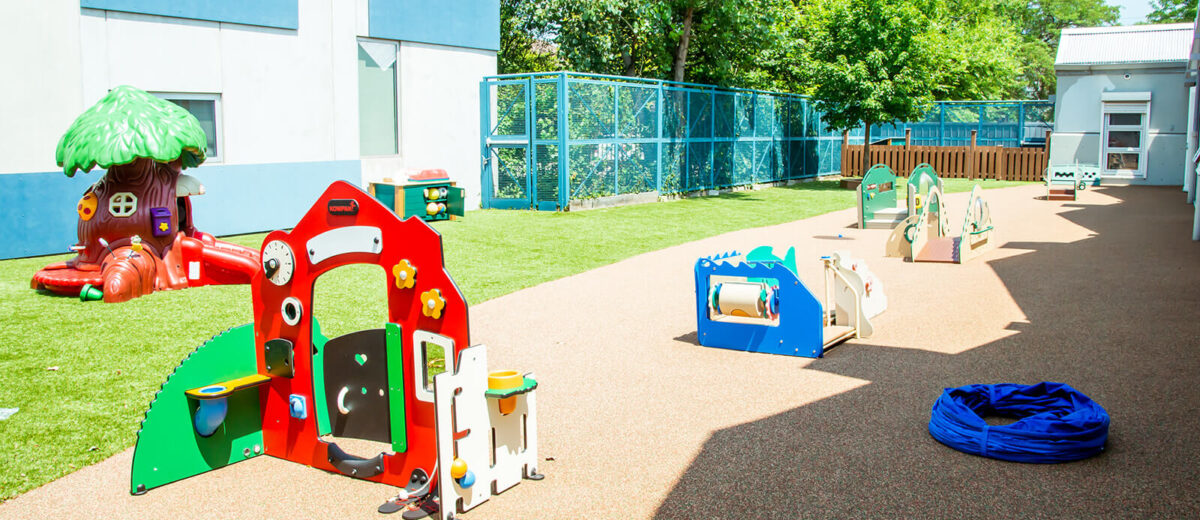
(551, 138)
(950, 123)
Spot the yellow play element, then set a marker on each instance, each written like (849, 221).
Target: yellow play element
(87, 207)
(504, 380)
(432, 303)
(224, 388)
(405, 274)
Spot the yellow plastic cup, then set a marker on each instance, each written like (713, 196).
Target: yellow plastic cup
(504, 380)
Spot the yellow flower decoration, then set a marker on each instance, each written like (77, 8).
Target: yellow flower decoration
(405, 274)
(432, 303)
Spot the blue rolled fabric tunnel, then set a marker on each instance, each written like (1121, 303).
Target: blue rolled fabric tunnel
(1055, 423)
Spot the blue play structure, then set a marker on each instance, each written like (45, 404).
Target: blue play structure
(1056, 423)
(756, 303)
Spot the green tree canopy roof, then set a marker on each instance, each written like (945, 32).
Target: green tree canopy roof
(127, 124)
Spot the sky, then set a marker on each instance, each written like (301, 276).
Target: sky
(1132, 11)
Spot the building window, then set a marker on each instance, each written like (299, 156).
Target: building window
(207, 109)
(1124, 139)
(122, 204)
(378, 115)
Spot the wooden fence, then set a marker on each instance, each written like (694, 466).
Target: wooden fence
(953, 162)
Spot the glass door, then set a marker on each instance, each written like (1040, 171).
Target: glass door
(1124, 140)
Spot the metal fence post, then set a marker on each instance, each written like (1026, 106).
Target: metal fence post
(485, 179)
(616, 133)
(564, 176)
(1020, 123)
(712, 139)
(942, 126)
(530, 130)
(659, 141)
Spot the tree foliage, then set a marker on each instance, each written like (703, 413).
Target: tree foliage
(871, 62)
(1040, 23)
(727, 42)
(524, 47)
(127, 124)
(983, 49)
(1172, 11)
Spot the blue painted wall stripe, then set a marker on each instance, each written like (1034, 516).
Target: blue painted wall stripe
(40, 218)
(284, 14)
(459, 23)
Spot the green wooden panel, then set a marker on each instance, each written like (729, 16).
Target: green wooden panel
(386, 195)
(878, 191)
(414, 200)
(457, 205)
(396, 395)
(168, 447)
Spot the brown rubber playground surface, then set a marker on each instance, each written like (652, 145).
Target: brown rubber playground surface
(638, 421)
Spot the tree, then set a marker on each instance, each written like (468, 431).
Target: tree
(977, 51)
(1172, 11)
(871, 62)
(1041, 22)
(705, 41)
(144, 142)
(523, 46)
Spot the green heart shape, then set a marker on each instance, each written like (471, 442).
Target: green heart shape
(361, 359)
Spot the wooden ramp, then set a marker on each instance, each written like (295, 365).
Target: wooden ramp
(939, 249)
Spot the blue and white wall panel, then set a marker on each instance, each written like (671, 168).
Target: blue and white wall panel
(286, 73)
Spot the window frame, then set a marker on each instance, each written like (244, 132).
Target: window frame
(396, 94)
(419, 339)
(129, 203)
(218, 119)
(1143, 129)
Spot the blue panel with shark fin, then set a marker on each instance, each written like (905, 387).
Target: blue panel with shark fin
(799, 330)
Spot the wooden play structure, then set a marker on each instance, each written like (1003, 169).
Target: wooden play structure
(925, 236)
(447, 428)
(877, 195)
(877, 199)
(427, 194)
(136, 233)
(1064, 181)
(920, 182)
(756, 303)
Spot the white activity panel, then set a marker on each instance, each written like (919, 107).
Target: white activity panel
(461, 402)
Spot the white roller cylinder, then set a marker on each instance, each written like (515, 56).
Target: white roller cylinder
(741, 299)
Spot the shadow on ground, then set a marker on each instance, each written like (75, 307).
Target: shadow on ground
(1114, 315)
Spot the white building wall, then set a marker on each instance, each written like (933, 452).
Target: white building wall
(1078, 120)
(286, 96)
(439, 110)
(277, 86)
(40, 95)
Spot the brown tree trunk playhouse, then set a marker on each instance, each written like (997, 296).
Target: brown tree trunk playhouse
(135, 224)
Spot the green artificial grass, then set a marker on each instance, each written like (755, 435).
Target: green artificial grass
(83, 374)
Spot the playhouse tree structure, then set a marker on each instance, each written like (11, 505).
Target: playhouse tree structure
(445, 425)
(136, 233)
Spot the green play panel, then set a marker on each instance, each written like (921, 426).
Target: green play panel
(168, 447)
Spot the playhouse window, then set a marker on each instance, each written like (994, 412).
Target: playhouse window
(122, 204)
(378, 121)
(432, 355)
(207, 110)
